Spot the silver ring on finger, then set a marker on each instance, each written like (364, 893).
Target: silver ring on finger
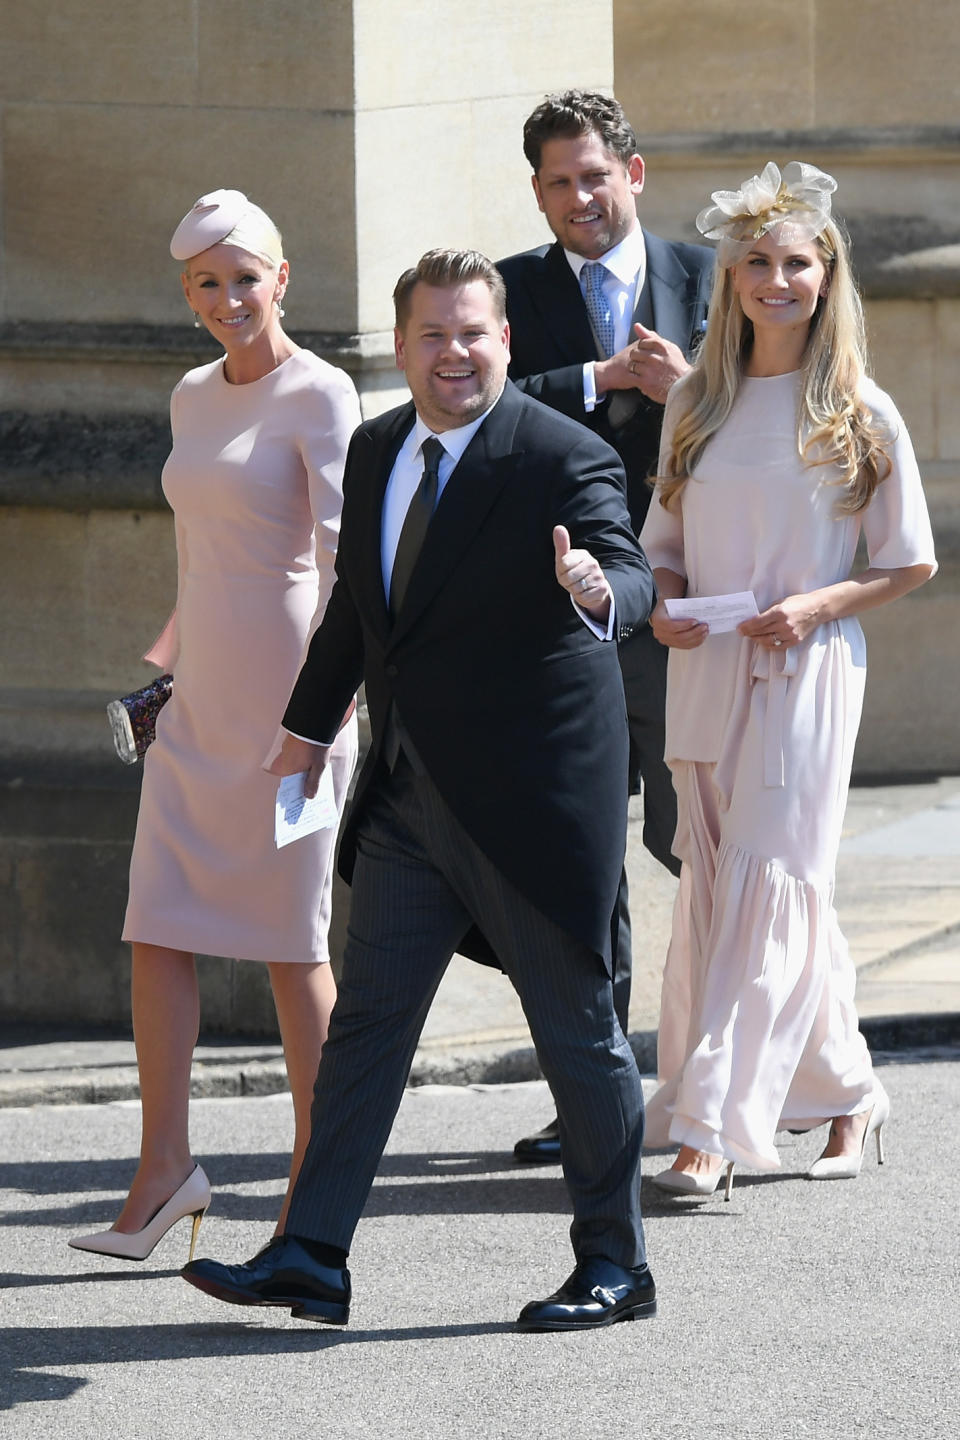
(584, 584)
(777, 641)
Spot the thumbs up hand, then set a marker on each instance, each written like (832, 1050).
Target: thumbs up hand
(581, 576)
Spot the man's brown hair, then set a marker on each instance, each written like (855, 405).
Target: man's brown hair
(572, 113)
(444, 268)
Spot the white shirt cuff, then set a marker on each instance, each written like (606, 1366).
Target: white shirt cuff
(324, 744)
(602, 632)
(590, 399)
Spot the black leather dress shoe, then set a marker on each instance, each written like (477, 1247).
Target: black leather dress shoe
(597, 1293)
(542, 1148)
(282, 1273)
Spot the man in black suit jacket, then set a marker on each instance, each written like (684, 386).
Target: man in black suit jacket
(611, 371)
(493, 799)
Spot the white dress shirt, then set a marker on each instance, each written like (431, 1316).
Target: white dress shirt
(403, 481)
(405, 477)
(626, 267)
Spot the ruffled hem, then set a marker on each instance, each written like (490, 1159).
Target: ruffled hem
(758, 1024)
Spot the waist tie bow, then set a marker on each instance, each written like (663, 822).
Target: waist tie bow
(776, 667)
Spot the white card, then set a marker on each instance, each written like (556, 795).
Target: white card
(296, 815)
(720, 612)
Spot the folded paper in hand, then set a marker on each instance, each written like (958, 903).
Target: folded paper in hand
(720, 612)
(296, 815)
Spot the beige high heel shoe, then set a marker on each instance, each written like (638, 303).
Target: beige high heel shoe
(847, 1167)
(192, 1198)
(694, 1187)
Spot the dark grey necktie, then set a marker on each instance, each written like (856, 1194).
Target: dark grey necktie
(415, 522)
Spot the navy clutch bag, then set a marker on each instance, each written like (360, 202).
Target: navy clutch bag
(133, 718)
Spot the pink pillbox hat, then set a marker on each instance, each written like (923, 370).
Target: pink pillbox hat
(226, 215)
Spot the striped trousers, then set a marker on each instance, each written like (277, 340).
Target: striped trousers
(419, 885)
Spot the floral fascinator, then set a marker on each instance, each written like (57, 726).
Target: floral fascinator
(791, 209)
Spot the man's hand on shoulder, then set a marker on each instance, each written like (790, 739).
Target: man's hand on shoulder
(581, 576)
(656, 364)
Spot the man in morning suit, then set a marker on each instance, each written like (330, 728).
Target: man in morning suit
(601, 324)
(494, 796)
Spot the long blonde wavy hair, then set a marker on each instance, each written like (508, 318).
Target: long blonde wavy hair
(834, 426)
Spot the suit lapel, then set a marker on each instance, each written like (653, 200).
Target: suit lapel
(485, 467)
(562, 309)
(670, 297)
(383, 446)
(643, 313)
(664, 305)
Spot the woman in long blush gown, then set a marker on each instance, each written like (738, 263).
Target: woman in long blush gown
(777, 453)
(254, 480)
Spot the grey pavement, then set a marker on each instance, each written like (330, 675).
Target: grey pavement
(796, 1310)
(898, 898)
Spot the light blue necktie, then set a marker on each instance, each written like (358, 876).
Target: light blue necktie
(598, 306)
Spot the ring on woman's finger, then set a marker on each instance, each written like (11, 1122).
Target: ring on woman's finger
(584, 583)
(777, 640)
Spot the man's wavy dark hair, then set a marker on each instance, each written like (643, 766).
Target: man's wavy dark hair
(579, 112)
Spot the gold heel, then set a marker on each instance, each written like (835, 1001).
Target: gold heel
(195, 1231)
(879, 1134)
(192, 1199)
(729, 1185)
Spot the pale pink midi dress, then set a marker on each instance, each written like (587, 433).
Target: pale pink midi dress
(758, 1028)
(254, 480)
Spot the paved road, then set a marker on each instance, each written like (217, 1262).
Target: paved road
(797, 1310)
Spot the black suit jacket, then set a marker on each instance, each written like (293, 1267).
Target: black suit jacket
(514, 707)
(550, 339)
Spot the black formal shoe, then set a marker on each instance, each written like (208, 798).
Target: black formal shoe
(597, 1293)
(542, 1148)
(282, 1273)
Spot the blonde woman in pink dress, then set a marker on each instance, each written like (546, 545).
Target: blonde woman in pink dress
(254, 480)
(778, 452)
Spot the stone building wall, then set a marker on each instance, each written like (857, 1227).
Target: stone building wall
(372, 131)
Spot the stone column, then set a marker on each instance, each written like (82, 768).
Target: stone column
(370, 132)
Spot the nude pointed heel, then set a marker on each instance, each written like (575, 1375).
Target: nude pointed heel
(847, 1167)
(694, 1187)
(192, 1198)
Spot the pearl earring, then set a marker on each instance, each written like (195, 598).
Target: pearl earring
(280, 310)
(196, 320)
